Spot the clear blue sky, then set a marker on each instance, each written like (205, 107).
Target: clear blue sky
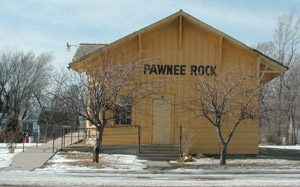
(47, 25)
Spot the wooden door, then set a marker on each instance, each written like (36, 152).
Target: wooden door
(161, 133)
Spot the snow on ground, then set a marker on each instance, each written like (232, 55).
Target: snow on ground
(122, 162)
(20, 145)
(115, 162)
(255, 162)
(144, 179)
(294, 147)
(212, 165)
(65, 169)
(6, 157)
(75, 161)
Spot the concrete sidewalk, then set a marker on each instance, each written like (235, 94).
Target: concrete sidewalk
(35, 157)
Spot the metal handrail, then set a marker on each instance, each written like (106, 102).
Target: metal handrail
(37, 138)
(85, 134)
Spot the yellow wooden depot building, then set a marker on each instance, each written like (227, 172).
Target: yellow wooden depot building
(190, 47)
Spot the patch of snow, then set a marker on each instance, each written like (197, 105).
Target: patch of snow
(122, 162)
(254, 162)
(211, 165)
(87, 153)
(6, 158)
(63, 168)
(294, 147)
(20, 145)
(58, 158)
(112, 162)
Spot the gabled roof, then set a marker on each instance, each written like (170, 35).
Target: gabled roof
(275, 65)
(86, 49)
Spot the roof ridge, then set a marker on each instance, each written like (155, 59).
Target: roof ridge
(92, 44)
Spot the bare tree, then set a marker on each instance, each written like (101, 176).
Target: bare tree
(285, 49)
(97, 95)
(49, 101)
(21, 74)
(4, 92)
(227, 95)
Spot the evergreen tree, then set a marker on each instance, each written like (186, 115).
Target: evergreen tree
(12, 133)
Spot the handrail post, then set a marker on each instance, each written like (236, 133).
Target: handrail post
(64, 137)
(46, 132)
(23, 139)
(139, 140)
(71, 136)
(54, 136)
(78, 133)
(37, 137)
(180, 138)
(62, 132)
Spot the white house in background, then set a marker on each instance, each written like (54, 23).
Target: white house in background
(30, 125)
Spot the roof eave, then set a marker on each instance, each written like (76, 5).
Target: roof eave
(274, 64)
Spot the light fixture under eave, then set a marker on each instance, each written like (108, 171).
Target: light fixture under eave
(68, 48)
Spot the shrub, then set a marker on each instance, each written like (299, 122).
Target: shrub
(11, 133)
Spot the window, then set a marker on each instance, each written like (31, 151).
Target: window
(125, 99)
(122, 115)
(25, 126)
(30, 126)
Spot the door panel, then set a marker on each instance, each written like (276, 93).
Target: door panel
(161, 133)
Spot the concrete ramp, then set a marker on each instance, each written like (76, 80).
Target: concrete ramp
(35, 157)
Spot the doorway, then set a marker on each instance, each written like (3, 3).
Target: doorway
(161, 133)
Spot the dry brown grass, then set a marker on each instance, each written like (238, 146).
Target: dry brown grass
(87, 163)
(81, 159)
(79, 156)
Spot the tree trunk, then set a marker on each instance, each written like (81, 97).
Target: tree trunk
(279, 141)
(97, 145)
(293, 131)
(223, 155)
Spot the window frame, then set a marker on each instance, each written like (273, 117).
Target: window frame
(122, 115)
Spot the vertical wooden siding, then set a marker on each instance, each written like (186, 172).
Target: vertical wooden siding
(199, 47)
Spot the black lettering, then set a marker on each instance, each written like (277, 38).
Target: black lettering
(176, 69)
(193, 70)
(161, 69)
(153, 70)
(182, 69)
(146, 68)
(206, 70)
(201, 70)
(169, 69)
(213, 70)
